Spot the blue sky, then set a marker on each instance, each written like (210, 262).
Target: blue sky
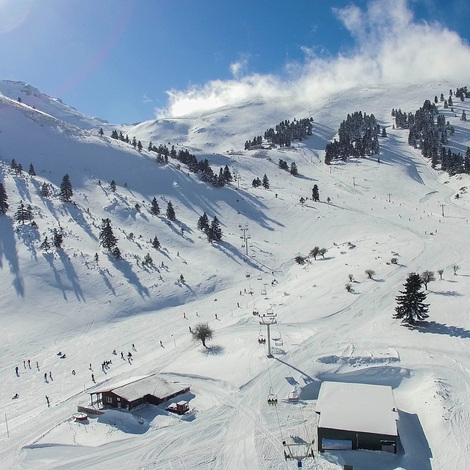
(118, 60)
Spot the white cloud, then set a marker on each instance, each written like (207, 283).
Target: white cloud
(389, 47)
(239, 68)
(146, 99)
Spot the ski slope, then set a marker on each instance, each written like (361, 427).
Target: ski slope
(64, 301)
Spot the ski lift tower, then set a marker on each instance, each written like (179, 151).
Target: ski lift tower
(268, 321)
(298, 451)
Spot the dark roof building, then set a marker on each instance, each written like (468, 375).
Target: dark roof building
(150, 389)
(356, 416)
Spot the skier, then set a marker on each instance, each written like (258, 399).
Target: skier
(37, 365)
(161, 344)
(184, 314)
(133, 347)
(122, 356)
(45, 376)
(73, 371)
(15, 396)
(190, 329)
(16, 370)
(29, 363)
(24, 364)
(50, 375)
(216, 317)
(47, 400)
(93, 378)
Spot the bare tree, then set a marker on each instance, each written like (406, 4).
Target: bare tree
(370, 273)
(314, 252)
(348, 287)
(202, 332)
(426, 277)
(351, 277)
(440, 272)
(455, 268)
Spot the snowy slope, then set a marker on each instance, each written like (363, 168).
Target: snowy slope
(66, 301)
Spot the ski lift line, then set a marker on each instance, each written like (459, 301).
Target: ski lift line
(300, 408)
(277, 412)
(311, 360)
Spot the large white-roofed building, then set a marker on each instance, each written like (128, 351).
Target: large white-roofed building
(356, 416)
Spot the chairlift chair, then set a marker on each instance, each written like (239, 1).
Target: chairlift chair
(272, 397)
(278, 340)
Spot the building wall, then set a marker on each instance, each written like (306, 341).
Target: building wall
(360, 440)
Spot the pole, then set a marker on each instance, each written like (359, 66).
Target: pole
(269, 340)
(442, 208)
(6, 424)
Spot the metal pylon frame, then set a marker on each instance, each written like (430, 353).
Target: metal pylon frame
(268, 321)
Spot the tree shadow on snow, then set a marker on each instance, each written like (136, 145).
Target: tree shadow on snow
(8, 250)
(213, 350)
(72, 275)
(450, 293)
(440, 329)
(126, 269)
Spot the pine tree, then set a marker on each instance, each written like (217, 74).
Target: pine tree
(45, 190)
(170, 212)
(3, 199)
(227, 175)
(45, 245)
(23, 213)
(13, 165)
(139, 146)
(215, 232)
(107, 238)
(148, 260)
(265, 182)
(156, 243)
(112, 185)
(31, 170)
(411, 306)
(315, 193)
(293, 169)
(66, 190)
(203, 223)
(155, 208)
(58, 239)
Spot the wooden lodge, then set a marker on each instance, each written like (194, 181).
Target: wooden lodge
(152, 389)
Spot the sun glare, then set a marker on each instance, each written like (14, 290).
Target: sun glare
(13, 13)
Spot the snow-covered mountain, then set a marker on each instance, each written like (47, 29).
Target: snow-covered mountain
(82, 302)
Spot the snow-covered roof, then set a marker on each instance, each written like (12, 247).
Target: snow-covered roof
(357, 407)
(150, 385)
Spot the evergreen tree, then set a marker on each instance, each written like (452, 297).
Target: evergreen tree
(215, 232)
(155, 208)
(101, 132)
(148, 260)
(112, 185)
(31, 170)
(19, 169)
(170, 212)
(265, 182)
(45, 190)
(139, 146)
(256, 183)
(315, 193)
(116, 252)
(106, 236)
(66, 190)
(203, 223)
(13, 165)
(464, 116)
(58, 239)
(156, 243)
(3, 199)
(293, 169)
(411, 306)
(45, 245)
(134, 142)
(23, 213)
(227, 175)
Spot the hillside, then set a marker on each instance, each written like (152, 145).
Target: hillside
(66, 300)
